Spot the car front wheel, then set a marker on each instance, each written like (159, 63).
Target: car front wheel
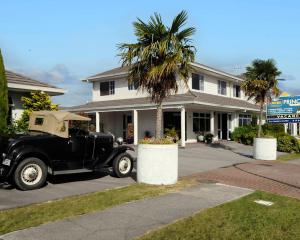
(123, 165)
(30, 174)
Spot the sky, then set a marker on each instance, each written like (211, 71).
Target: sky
(64, 41)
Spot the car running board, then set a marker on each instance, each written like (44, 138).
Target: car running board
(83, 170)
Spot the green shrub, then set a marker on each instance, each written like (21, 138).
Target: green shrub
(245, 134)
(208, 138)
(274, 130)
(287, 143)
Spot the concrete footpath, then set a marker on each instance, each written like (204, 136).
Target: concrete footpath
(134, 219)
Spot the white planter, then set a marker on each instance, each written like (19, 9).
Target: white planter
(265, 148)
(157, 164)
(200, 138)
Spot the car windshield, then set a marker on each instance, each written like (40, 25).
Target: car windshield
(83, 125)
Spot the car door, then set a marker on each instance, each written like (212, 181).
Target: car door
(77, 149)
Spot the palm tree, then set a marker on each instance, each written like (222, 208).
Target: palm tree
(261, 84)
(160, 56)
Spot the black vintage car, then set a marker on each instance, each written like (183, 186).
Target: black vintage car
(55, 144)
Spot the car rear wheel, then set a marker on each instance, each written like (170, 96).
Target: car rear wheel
(123, 165)
(30, 174)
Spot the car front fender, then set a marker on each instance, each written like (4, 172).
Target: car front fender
(116, 151)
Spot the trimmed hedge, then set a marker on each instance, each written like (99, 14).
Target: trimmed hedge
(288, 143)
(285, 142)
(245, 134)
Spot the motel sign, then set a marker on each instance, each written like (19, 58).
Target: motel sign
(284, 110)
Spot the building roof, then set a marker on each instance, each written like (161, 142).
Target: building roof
(203, 99)
(20, 82)
(122, 71)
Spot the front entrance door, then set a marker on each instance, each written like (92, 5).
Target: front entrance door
(224, 126)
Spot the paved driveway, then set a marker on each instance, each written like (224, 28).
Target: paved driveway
(193, 159)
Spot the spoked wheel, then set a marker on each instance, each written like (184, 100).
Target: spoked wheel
(30, 174)
(123, 165)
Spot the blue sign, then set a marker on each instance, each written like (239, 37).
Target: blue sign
(284, 110)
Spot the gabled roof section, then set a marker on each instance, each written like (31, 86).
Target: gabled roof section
(119, 71)
(123, 71)
(22, 83)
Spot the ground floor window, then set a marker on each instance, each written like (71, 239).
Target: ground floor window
(201, 122)
(245, 119)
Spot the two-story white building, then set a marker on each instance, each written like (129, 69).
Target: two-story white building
(216, 104)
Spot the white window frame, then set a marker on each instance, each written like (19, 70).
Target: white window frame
(201, 82)
(234, 91)
(245, 119)
(220, 89)
(111, 88)
(206, 116)
(133, 86)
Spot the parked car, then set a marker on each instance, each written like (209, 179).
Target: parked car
(58, 143)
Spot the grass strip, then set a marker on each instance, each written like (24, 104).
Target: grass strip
(290, 156)
(37, 214)
(239, 219)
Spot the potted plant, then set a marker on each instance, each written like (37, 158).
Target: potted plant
(208, 138)
(171, 134)
(200, 137)
(160, 57)
(260, 85)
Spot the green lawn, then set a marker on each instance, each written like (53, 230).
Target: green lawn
(240, 219)
(290, 156)
(36, 214)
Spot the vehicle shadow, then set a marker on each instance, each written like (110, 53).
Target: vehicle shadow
(6, 186)
(78, 177)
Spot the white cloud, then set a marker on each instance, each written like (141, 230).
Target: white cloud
(77, 92)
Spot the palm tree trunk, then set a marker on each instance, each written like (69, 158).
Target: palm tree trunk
(158, 121)
(260, 119)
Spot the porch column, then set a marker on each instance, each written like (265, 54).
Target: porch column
(294, 129)
(135, 127)
(97, 121)
(212, 122)
(182, 115)
(285, 127)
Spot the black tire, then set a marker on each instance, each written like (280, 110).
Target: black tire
(117, 168)
(28, 180)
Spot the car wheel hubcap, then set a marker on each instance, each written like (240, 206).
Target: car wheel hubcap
(31, 174)
(124, 165)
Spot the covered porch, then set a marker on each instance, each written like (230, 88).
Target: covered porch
(188, 120)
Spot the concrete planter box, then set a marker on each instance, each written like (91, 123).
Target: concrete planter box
(157, 164)
(265, 148)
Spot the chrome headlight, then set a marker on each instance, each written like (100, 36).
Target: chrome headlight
(120, 140)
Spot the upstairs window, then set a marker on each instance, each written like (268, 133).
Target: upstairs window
(197, 82)
(222, 85)
(236, 91)
(133, 86)
(107, 88)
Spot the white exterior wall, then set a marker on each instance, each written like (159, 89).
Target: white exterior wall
(17, 109)
(122, 92)
(146, 122)
(112, 122)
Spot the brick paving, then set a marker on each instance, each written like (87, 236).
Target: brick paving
(270, 176)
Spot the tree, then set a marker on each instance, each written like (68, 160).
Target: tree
(3, 97)
(261, 84)
(37, 101)
(160, 55)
